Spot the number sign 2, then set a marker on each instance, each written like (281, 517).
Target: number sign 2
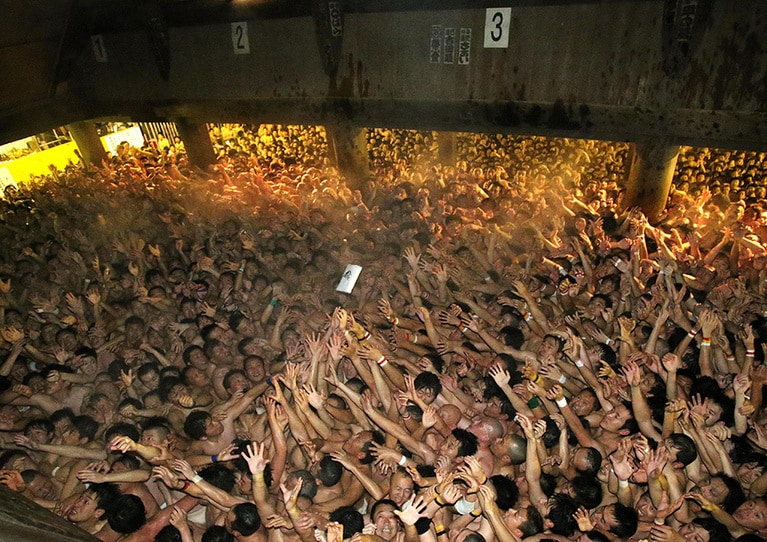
(497, 28)
(240, 41)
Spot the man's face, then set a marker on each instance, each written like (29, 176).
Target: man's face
(213, 428)
(714, 489)
(752, 514)
(254, 368)
(614, 420)
(401, 488)
(152, 437)
(85, 508)
(386, 522)
(43, 488)
(694, 533)
(603, 518)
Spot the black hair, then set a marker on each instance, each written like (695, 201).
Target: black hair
(115, 368)
(716, 531)
(169, 533)
(378, 438)
(246, 519)
(350, 518)
(469, 442)
(129, 461)
(230, 374)
(687, 451)
(167, 383)
(506, 491)
(219, 475)
(187, 355)
(428, 381)
(330, 471)
(626, 521)
(42, 424)
(533, 524)
(309, 485)
(62, 413)
(550, 437)
(122, 429)
(86, 427)
(561, 514)
(382, 502)
(735, 496)
(217, 533)
(196, 424)
(587, 491)
(106, 494)
(593, 460)
(127, 514)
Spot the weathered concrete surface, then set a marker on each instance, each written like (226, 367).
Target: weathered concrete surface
(21, 520)
(625, 70)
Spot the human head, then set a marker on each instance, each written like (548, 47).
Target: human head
(616, 518)
(243, 519)
(350, 518)
(427, 386)
(127, 514)
(385, 520)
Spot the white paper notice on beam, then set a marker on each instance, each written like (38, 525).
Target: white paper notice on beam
(240, 42)
(349, 278)
(99, 50)
(497, 22)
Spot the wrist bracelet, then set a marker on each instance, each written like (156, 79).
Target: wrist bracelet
(438, 501)
(608, 340)
(365, 337)
(533, 402)
(415, 338)
(185, 486)
(656, 521)
(578, 363)
(382, 362)
(197, 479)
(750, 353)
(623, 483)
(439, 528)
(706, 341)
(443, 532)
(273, 302)
(214, 458)
(692, 333)
(402, 461)
(475, 513)
(562, 379)
(561, 403)
(393, 320)
(461, 328)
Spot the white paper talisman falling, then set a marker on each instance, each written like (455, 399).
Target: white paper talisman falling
(349, 278)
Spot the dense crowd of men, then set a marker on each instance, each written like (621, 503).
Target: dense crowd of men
(521, 357)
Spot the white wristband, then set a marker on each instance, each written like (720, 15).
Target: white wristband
(197, 479)
(623, 483)
(578, 363)
(402, 461)
(562, 379)
(561, 403)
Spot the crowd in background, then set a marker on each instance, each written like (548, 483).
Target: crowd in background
(521, 357)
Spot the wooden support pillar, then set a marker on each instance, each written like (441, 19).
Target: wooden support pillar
(650, 175)
(88, 142)
(448, 147)
(348, 151)
(199, 149)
